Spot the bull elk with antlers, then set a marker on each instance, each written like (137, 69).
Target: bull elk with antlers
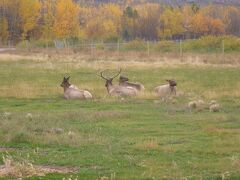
(117, 90)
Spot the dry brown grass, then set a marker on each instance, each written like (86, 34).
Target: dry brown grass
(107, 58)
(24, 168)
(217, 94)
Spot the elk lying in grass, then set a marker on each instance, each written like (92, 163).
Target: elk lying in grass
(124, 81)
(117, 90)
(167, 89)
(73, 93)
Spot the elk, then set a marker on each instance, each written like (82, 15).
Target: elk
(72, 93)
(117, 90)
(167, 89)
(124, 81)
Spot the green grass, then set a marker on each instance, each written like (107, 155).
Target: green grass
(136, 138)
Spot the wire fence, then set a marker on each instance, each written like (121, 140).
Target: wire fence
(148, 47)
(178, 47)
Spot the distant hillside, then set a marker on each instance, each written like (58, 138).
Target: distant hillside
(182, 2)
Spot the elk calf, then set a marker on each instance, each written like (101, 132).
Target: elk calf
(73, 93)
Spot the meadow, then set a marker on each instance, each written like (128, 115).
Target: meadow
(119, 138)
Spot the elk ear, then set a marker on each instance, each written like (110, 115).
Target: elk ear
(67, 78)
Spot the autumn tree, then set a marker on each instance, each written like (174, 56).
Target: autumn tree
(188, 13)
(128, 19)
(206, 22)
(47, 19)
(11, 14)
(66, 21)
(148, 21)
(232, 20)
(29, 12)
(129, 23)
(172, 23)
(104, 22)
(3, 30)
(3, 23)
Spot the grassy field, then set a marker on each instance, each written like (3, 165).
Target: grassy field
(114, 138)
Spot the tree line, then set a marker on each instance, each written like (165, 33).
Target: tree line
(65, 19)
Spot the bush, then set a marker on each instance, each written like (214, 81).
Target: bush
(111, 39)
(212, 44)
(35, 44)
(231, 44)
(135, 45)
(100, 46)
(167, 46)
(204, 44)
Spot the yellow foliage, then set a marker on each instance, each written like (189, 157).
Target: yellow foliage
(94, 28)
(48, 7)
(49, 19)
(109, 28)
(3, 30)
(66, 22)
(103, 22)
(29, 11)
(172, 21)
(187, 14)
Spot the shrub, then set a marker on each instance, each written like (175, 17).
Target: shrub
(167, 46)
(35, 44)
(204, 44)
(135, 45)
(231, 44)
(212, 44)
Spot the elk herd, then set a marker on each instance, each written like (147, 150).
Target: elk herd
(124, 88)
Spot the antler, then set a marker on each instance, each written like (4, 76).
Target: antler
(101, 75)
(120, 70)
(66, 78)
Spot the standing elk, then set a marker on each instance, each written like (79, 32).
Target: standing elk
(167, 89)
(117, 90)
(124, 81)
(73, 93)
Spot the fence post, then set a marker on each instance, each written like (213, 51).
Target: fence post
(148, 48)
(67, 43)
(223, 50)
(118, 47)
(91, 48)
(223, 47)
(180, 48)
(9, 44)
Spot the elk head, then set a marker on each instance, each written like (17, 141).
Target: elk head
(172, 82)
(109, 80)
(65, 83)
(123, 79)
